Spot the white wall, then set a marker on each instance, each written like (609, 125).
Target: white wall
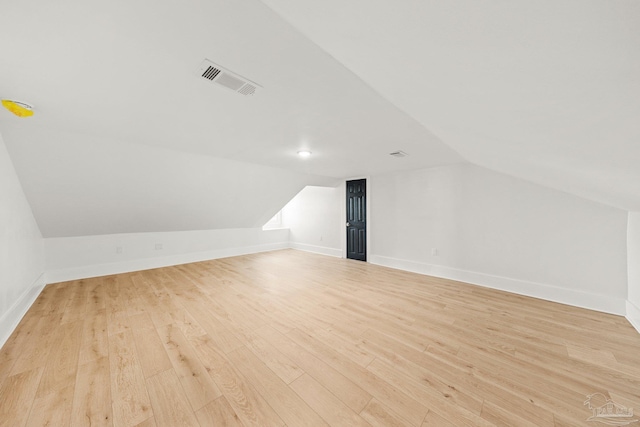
(313, 218)
(21, 250)
(70, 258)
(502, 232)
(633, 264)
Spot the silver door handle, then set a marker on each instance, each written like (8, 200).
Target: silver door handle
(348, 224)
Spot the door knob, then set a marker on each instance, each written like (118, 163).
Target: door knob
(348, 224)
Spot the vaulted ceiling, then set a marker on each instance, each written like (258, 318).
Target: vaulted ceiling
(127, 136)
(545, 90)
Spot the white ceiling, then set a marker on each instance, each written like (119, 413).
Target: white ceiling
(544, 90)
(79, 185)
(127, 70)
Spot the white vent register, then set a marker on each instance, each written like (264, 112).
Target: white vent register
(398, 154)
(216, 74)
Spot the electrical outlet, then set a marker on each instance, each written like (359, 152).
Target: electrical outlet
(118, 249)
(158, 246)
(434, 251)
(321, 237)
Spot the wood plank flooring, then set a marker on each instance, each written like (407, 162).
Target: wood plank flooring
(297, 339)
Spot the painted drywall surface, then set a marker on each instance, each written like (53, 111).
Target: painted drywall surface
(542, 90)
(467, 219)
(313, 218)
(85, 185)
(633, 256)
(633, 267)
(21, 249)
(70, 258)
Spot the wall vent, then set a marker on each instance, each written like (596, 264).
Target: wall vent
(398, 154)
(223, 77)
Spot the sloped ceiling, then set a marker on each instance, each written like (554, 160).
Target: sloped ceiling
(81, 185)
(127, 137)
(545, 90)
(120, 76)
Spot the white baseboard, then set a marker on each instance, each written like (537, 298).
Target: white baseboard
(316, 249)
(633, 315)
(572, 297)
(10, 320)
(85, 272)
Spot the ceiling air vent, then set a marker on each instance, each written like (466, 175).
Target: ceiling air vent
(398, 154)
(219, 75)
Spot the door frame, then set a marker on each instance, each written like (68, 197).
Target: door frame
(343, 214)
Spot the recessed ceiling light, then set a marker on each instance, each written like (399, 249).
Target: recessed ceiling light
(304, 153)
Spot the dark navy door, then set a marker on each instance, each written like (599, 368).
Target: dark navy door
(357, 219)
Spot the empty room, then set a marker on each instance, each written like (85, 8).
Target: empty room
(320, 213)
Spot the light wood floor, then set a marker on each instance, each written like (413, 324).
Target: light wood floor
(296, 339)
